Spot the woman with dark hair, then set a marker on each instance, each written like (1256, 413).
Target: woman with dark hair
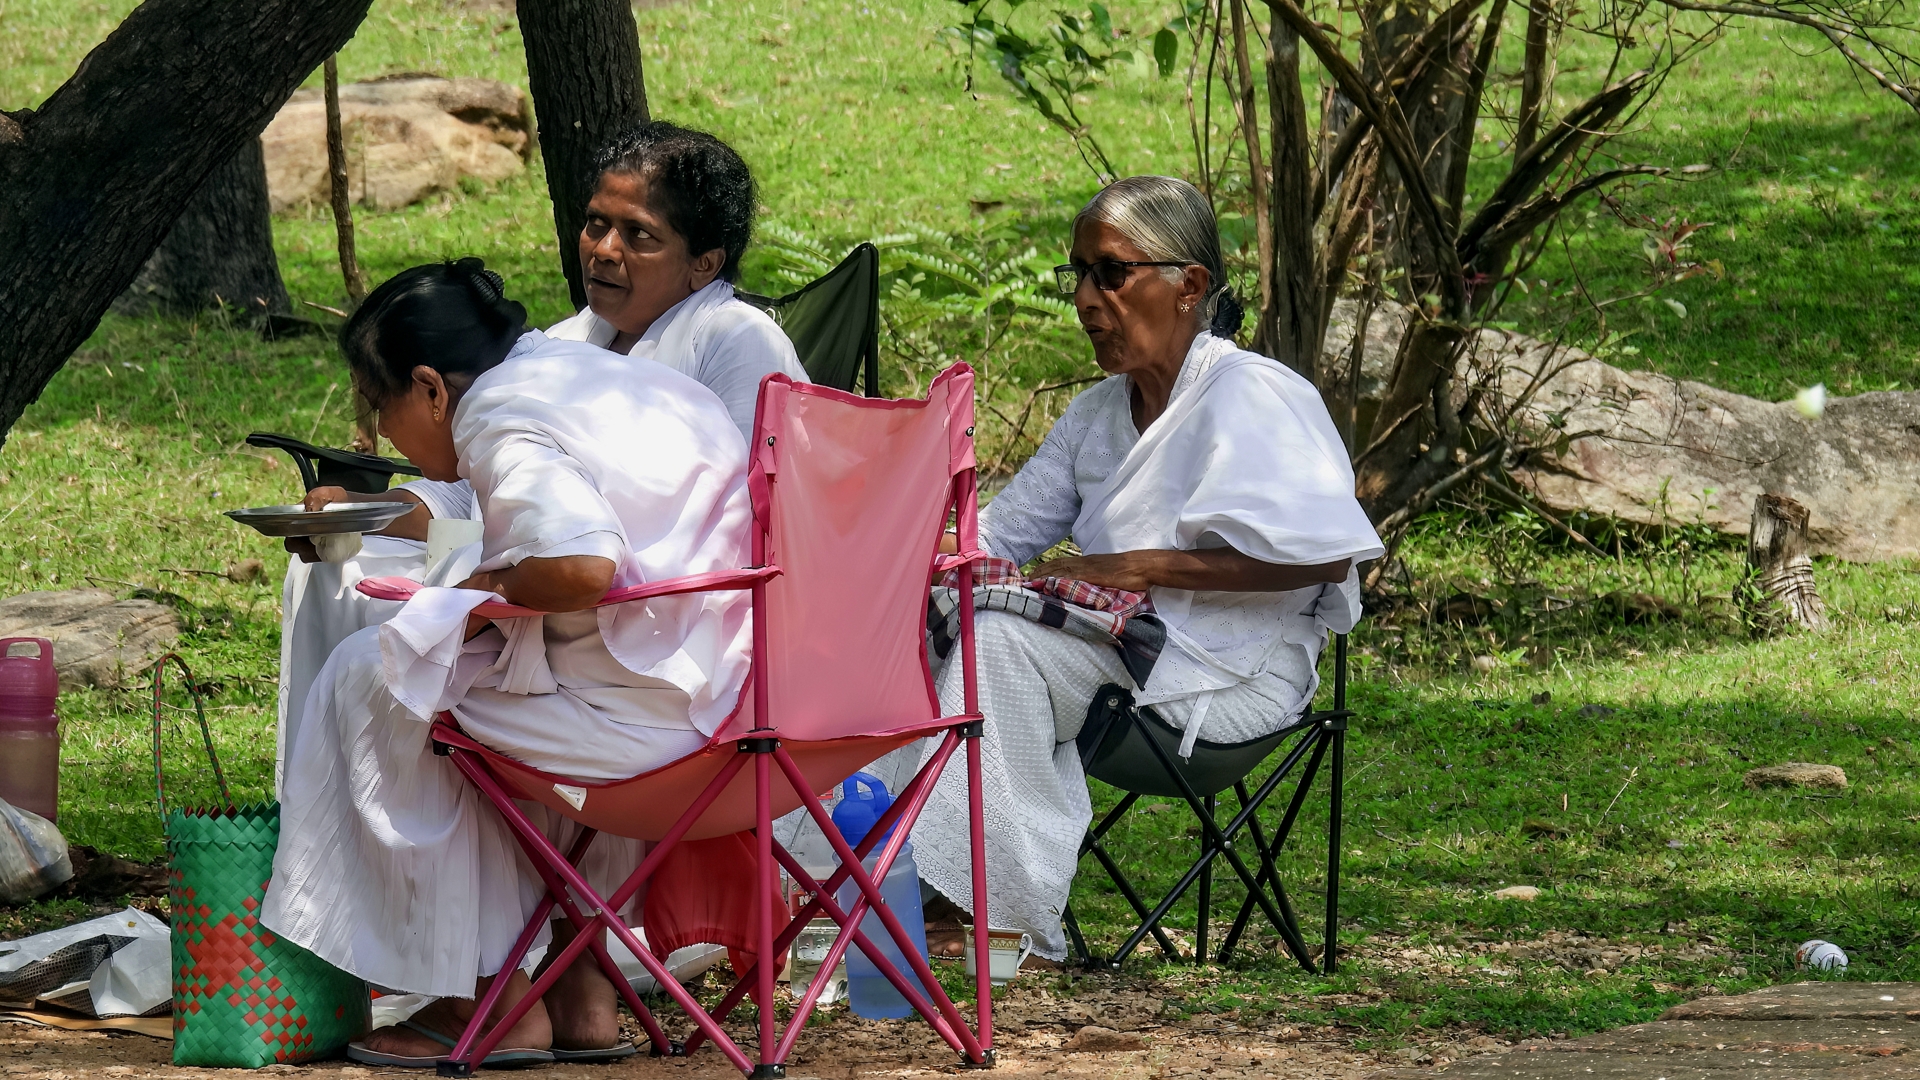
(670, 217)
(1208, 477)
(592, 470)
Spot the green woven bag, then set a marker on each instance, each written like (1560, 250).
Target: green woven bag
(242, 997)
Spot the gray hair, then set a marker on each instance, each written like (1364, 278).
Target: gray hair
(1169, 220)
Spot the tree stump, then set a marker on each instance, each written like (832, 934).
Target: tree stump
(1779, 589)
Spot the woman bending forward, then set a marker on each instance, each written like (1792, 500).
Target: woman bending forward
(592, 470)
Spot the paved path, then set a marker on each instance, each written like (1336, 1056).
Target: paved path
(1805, 1031)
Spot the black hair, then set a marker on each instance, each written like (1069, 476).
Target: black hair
(453, 317)
(695, 181)
(1227, 314)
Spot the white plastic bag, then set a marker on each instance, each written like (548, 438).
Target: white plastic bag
(115, 965)
(33, 855)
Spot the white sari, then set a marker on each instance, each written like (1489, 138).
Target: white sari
(390, 865)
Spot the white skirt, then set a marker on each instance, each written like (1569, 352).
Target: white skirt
(1035, 686)
(319, 609)
(391, 864)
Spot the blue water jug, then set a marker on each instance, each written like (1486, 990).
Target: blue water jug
(868, 992)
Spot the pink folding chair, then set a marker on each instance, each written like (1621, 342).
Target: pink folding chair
(850, 496)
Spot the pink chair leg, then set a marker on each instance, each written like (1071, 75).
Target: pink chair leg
(850, 863)
(977, 835)
(744, 984)
(770, 1067)
(570, 878)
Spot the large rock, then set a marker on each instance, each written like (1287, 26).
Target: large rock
(1653, 450)
(97, 640)
(406, 138)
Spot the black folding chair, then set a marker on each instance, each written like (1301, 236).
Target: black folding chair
(1133, 749)
(834, 321)
(324, 466)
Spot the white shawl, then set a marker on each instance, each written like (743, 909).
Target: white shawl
(1245, 456)
(573, 450)
(713, 337)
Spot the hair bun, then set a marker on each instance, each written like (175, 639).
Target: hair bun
(1227, 314)
(490, 285)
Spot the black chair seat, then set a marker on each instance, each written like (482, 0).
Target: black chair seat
(1115, 752)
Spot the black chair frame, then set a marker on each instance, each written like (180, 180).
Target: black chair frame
(1318, 738)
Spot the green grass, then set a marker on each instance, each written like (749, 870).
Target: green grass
(1620, 796)
(1813, 203)
(117, 475)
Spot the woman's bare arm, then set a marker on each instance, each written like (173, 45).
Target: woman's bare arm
(1210, 570)
(568, 583)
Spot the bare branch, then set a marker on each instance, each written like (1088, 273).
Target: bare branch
(1541, 160)
(1528, 217)
(1396, 138)
(1424, 499)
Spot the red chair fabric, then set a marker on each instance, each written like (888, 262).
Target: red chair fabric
(850, 498)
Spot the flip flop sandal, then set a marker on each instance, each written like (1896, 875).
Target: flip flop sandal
(622, 1049)
(499, 1059)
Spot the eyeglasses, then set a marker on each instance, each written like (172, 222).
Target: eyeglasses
(1108, 274)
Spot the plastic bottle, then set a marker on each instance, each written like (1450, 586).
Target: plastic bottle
(815, 855)
(29, 727)
(868, 992)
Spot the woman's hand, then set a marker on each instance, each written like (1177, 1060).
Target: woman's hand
(1209, 570)
(409, 526)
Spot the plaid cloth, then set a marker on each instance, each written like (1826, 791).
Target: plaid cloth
(1124, 620)
(997, 571)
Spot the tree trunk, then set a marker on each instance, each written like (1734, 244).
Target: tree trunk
(94, 179)
(1256, 175)
(219, 251)
(583, 64)
(1780, 584)
(1291, 324)
(1410, 444)
(1536, 75)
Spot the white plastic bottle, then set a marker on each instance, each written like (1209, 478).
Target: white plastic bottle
(868, 991)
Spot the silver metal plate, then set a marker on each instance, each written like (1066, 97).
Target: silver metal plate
(297, 520)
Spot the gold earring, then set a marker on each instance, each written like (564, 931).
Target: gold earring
(1184, 308)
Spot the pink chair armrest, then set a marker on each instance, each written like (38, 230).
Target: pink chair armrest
(944, 563)
(399, 588)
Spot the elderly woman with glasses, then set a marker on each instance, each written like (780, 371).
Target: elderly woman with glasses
(1210, 478)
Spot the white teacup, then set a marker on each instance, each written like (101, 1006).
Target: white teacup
(1006, 951)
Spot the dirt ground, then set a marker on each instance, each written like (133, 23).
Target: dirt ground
(1033, 1032)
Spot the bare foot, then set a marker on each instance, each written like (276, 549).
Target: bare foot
(583, 1005)
(449, 1017)
(946, 941)
(1036, 962)
(946, 928)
